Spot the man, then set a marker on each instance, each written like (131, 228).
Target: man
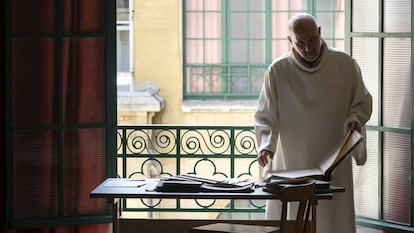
(309, 99)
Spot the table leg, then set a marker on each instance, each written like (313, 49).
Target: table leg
(313, 223)
(116, 213)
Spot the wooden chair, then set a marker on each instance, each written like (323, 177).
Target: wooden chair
(301, 193)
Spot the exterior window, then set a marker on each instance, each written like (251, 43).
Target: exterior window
(228, 44)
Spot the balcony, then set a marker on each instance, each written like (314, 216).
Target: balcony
(157, 151)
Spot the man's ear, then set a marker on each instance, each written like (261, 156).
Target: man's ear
(289, 39)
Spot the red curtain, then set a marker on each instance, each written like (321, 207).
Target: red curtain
(58, 111)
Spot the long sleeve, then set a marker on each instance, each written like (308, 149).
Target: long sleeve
(360, 111)
(266, 117)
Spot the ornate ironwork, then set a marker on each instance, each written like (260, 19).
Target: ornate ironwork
(156, 151)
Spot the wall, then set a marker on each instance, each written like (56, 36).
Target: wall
(159, 57)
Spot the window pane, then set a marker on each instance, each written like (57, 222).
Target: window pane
(35, 173)
(212, 52)
(365, 16)
(78, 16)
(212, 25)
(256, 25)
(397, 83)
(365, 51)
(238, 51)
(256, 5)
(397, 178)
(239, 81)
(81, 80)
(280, 25)
(238, 4)
(238, 25)
(123, 51)
(33, 16)
(194, 25)
(397, 15)
(211, 5)
(257, 52)
(83, 150)
(326, 21)
(366, 180)
(203, 80)
(194, 51)
(33, 73)
(279, 47)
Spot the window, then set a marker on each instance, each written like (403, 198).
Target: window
(381, 40)
(61, 120)
(228, 44)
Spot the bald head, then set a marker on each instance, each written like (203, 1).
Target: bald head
(301, 22)
(305, 37)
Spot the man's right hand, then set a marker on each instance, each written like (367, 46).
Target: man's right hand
(264, 157)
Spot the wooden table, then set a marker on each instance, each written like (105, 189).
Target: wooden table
(115, 188)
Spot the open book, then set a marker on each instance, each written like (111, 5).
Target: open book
(328, 164)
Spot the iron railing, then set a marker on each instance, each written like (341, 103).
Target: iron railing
(157, 151)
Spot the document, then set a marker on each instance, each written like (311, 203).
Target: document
(328, 164)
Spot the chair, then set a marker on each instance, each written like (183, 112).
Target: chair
(301, 193)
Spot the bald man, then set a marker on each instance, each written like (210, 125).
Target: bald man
(310, 97)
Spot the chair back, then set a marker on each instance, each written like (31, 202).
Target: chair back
(304, 195)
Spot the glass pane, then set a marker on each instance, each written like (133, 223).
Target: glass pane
(34, 74)
(35, 174)
(194, 51)
(280, 25)
(365, 51)
(238, 25)
(84, 16)
(279, 47)
(83, 150)
(212, 5)
(397, 83)
(238, 51)
(84, 78)
(366, 180)
(257, 52)
(194, 25)
(238, 4)
(327, 23)
(212, 52)
(122, 51)
(297, 4)
(194, 4)
(256, 79)
(33, 16)
(397, 178)
(365, 16)
(256, 5)
(212, 25)
(325, 5)
(239, 81)
(397, 15)
(122, 10)
(257, 25)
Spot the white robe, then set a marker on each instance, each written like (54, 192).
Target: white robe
(302, 113)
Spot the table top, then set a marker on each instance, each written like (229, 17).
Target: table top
(130, 188)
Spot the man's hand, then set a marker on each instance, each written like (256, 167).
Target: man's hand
(354, 125)
(264, 157)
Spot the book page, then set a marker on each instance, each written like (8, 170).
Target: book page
(298, 173)
(328, 164)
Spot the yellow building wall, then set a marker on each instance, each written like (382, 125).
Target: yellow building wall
(159, 57)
